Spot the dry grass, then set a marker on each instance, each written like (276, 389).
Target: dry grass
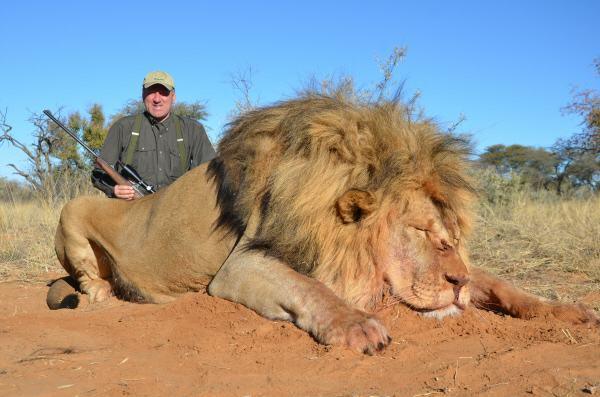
(27, 230)
(546, 245)
(27, 240)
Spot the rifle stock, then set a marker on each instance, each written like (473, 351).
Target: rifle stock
(118, 178)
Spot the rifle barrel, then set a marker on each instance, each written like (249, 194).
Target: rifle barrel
(68, 131)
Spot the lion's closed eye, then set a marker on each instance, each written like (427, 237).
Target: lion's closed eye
(418, 231)
(420, 227)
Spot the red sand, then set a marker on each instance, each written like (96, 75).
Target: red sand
(204, 346)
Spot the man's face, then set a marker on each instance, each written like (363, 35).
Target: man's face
(158, 100)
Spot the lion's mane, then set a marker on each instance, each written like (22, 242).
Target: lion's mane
(290, 162)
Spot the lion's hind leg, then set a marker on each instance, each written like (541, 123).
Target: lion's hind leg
(86, 262)
(92, 270)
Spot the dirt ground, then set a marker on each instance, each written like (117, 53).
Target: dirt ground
(204, 346)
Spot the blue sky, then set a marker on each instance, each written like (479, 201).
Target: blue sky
(508, 66)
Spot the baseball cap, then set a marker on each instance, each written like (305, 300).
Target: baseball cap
(159, 77)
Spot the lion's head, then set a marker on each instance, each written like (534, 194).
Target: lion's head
(358, 196)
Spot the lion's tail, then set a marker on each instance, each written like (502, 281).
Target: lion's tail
(63, 294)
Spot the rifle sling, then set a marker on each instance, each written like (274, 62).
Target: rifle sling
(133, 142)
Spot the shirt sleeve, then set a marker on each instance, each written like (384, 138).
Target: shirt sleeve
(110, 152)
(201, 148)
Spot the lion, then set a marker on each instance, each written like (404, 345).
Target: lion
(314, 210)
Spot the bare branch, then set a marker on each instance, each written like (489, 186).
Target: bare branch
(461, 119)
(6, 137)
(388, 68)
(25, 175)
(39, 153)
(412, 110)
(242, 82)
(5, 127)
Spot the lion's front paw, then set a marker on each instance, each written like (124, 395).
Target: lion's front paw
(577, 313)
(357, 330)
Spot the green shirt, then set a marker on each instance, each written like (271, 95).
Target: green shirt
(156, 158)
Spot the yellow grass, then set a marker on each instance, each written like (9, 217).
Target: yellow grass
(27, 240)
(546, 245)
(550, 247)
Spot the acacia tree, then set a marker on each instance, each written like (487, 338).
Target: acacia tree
(536, 166)
(580, 153)
(586, 103)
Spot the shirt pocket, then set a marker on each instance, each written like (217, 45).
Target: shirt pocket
(145, 162)
(175, 169)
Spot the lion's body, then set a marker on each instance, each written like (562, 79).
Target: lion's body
(153, 248)
(312, 211)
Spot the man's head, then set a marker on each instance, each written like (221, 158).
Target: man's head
(158, 94)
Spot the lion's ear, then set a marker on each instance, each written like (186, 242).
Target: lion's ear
(355, 204)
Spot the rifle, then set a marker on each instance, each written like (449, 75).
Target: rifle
(140, 187)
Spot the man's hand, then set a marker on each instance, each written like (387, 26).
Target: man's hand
(124, 192)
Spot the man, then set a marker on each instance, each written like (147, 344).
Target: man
(160, 145)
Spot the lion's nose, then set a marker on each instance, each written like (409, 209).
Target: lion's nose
(458, 280)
